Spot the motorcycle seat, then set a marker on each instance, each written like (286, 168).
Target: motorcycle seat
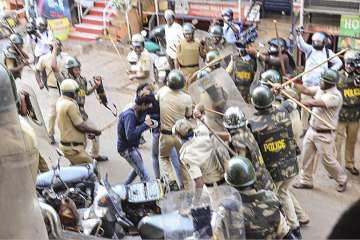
(69, 175)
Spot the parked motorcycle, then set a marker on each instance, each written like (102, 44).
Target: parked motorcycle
(126, 205)
(66, 195)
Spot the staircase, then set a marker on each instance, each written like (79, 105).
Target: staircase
(91, 27)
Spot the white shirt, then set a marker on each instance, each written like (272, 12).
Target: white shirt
(42, 46)
(173, 35)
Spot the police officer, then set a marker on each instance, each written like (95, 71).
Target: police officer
(320, 138)
(242, 68)
(52, 63)
(216, 41)
(203, 155)
(188, 53)
(73, 68)
(272, 58)
(244, 144)
(73, 128)
(174, 105)
(15, 59)
(273, 132)
(261, 209)
(346, 132)
(143, 70)
(231, 29)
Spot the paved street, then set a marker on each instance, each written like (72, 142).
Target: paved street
(323, 204)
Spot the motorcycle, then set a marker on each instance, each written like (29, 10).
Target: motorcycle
(66, 196)
(124, 206)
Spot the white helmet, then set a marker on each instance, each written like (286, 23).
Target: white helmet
(168, 14)
(137, 39)
(69, 86)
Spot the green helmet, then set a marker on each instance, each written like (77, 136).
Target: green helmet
(262, 97)
(212, 55)
(16, 38)
(72, 62)
(216, 31)
(272, 76)
(330, 76)
(188, 28)
(240, 172)
(176, 80)
(202, 73)
(234, 118)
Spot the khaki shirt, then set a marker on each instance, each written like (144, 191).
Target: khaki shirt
(68, 115)
(333, 101)
(45, 64)
(173, 106)
(145, 64)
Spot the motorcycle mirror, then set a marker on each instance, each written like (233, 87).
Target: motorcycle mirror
(194, 22)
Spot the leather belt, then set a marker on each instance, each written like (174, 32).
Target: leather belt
(189, 66)
(69, 144)
(52, 87)
(328, 131)
(220, 182)
(166, 132)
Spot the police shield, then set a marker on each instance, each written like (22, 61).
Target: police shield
(19, 208)
(215, 213)
(217, 91)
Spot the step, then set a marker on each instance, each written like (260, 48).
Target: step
(96, 20)
(100, 4)
(87, 37)
(89, 28)
(99, 11)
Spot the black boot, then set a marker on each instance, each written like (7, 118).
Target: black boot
(297, 233)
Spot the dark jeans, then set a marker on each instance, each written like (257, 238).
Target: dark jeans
(133, 157)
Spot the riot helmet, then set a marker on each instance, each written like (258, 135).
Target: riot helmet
(240, 173)
(69, 87)
(262, 97)
(7, 97)
(227, 14)
(274, 45)
(234, 118)
(319, 40)
(137, 40)
(211, 56)
(352, 60)
(216, 33)
(272, 76)
(188, 30)
(169, 16)
(176, 80)
(41, 24)
(72, 62)
(330, 76)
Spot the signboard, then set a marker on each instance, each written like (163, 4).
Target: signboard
(211, 9)
(51, 9)
(60, 27)
(349, 32)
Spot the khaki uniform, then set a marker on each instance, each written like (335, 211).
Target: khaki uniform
(145, 64)
(187, 56)
(320, 139)
(11, 60)
(348, 127)
(44, 64)
(204, 156)
(72, 141)
(173, 106)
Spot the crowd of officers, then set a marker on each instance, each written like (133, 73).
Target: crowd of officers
(258, 154)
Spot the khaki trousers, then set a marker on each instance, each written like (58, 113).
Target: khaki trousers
(76, 155)
(300, 212)
(346, 135)
(53, 97)
(93, 142)
(322, 144)
(166, 143)
(305, 116)
(285, 198)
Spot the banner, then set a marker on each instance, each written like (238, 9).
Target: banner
(349, 33)
(211, 9)
(51, 9)
(60, 28)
